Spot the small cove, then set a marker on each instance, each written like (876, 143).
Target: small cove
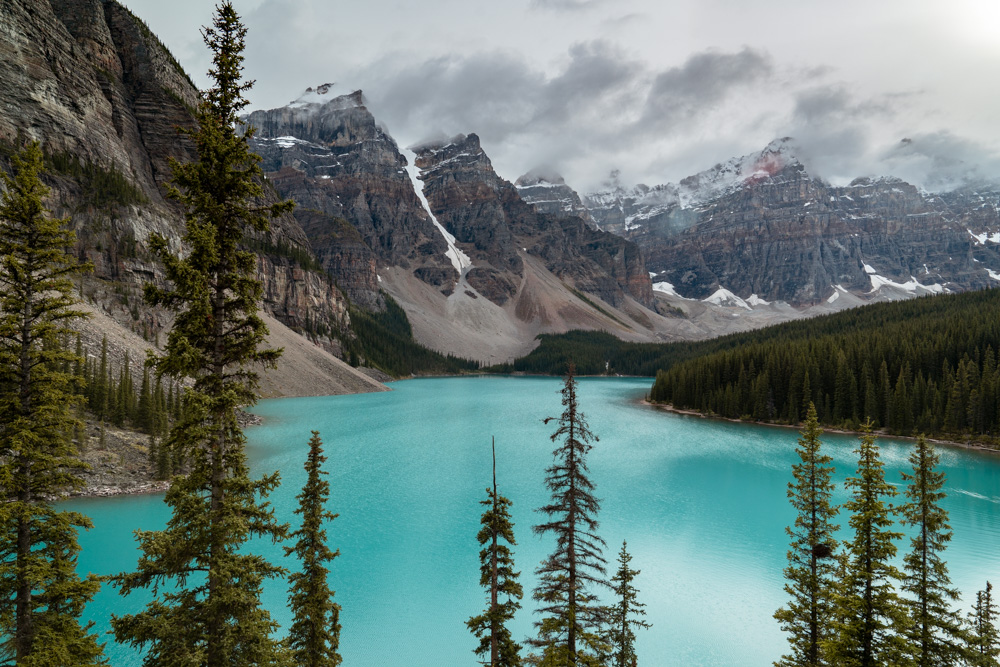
(701, 503)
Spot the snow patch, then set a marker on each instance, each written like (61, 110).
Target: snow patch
(981, 239)
(755, 301)
(723, 297)
(837, 290)
(664, 287)
(289, 141)
(869, 269)
(459, 259)
(993, 274)
(912, 285)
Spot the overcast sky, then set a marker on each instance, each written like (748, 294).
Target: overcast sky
(659, 89)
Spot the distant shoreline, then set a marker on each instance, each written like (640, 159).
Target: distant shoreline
(976, 446)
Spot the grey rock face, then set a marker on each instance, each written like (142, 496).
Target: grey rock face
(487, 213)
(762, 225)
(328, 154)
(548, 193)
(93, 85)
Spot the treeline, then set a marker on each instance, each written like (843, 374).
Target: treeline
(385, 341)
(928, 365)
(594, 353)
(112, 396)
(849, 604)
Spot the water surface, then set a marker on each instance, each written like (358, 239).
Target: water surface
(701, 503)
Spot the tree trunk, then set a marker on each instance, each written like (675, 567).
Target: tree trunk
(22, 606)
(494, 647)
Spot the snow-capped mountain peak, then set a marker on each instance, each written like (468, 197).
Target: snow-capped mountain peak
(324, 95)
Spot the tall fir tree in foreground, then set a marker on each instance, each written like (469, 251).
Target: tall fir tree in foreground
(870, 626)
(572, 631)
(626, 614)
(315, 632)
(936, 633)
(983, 638)
(41, 596)
(811, 573)
(498, 577)
(208, 611)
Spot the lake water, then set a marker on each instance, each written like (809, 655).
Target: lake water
(701, 503)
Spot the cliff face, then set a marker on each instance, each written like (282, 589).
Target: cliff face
(90, 82)
(329, 155)
(488, 213)
(548, 193)
(763, 226)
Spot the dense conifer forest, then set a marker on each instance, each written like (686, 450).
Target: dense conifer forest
(922, 366)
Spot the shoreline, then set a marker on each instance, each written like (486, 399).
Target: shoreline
(979, 447)
(106, 491)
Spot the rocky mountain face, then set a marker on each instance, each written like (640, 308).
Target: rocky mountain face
(328, 154)
(488, 213)
(548, 193)
(89, 81)
(763, 229)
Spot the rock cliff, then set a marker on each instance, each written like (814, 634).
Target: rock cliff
(487, 213)
(763, 228)
(88, 80)
(328, 154)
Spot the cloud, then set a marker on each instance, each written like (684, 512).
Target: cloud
(705, 80)
(601, 103)
(940, 161)
(566, 5)
(501, 97)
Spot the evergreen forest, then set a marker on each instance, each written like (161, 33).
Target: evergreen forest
(927, 365)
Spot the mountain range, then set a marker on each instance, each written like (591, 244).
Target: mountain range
(479, 264)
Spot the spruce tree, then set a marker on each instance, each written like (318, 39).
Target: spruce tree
(209, 583)
(497, 575)
(936, 632)
(870, 622)
(983, 647)
(41, 595)
(572, 630)
(812, 568)
(626, 614)
(315, 632)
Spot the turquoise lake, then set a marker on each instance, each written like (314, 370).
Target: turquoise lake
(701, 503)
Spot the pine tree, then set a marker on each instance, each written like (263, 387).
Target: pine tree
(41, 595)
(497, 575)
(144, 414)
(572, 632)
(625, 615)
(870, 622)
(315, 632)
(936, 633)
(811, 570)
(209, 610)
(983, 648)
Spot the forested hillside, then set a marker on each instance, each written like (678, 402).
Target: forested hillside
(927, 365)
